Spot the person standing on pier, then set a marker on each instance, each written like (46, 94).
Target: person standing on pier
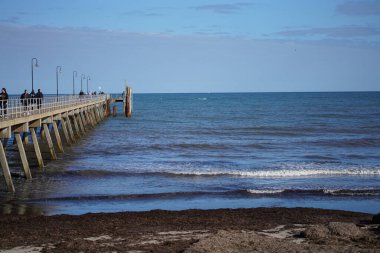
(24, 99)
(3, 102)
(39, 97)
(32, 99)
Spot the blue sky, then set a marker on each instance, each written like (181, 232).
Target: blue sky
(192, 46)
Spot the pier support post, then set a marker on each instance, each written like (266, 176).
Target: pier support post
(89, 115)
(76, 126)
(6, 171)
(37, 148)
(69, 127)
(83, 118)
(42, 134)
(25, 137)
(65, 131)
(5, 142)
(102, 113)
(98, 113)
(24, 159)
(128, 102)
(108, 107)
(57, 136)
(78, 116)
(87, 119)
(50, 142)
(93, 111)
(95, 114)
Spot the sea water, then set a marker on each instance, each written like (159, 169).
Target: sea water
(217, 150)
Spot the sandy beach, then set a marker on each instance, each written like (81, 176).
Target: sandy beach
(221, 230)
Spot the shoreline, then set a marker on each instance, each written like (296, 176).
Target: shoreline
(191, 230)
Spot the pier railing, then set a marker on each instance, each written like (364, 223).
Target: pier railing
(17, 108)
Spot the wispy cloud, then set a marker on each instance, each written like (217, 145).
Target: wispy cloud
(11, 20)
(359, 8)
(222, 8)
(334, 32)
(145, 13)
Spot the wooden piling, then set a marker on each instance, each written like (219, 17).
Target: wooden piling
(89, 119)
(6, 171)
(114, 113)
(69, 126)
(24, 159)
(50, 142)
(25, 138)
(65, 131)
(79, 134)
(37, 148)
(42, 134)
(96, 113)
(99, 110)
(57, 136)
(81, 123)
(93, 117)
(128, 102)
(83, 118)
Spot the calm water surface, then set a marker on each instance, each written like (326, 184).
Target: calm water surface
(182, 151)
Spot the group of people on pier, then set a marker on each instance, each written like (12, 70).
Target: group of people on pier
(28, 101)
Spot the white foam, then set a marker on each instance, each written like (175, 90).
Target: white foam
(359, 192)
(264, 191)
(283, 172)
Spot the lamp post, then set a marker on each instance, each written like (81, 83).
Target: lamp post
(81, 78)
(34, 65)
(88, 78)
(58, 69)
(75, 73)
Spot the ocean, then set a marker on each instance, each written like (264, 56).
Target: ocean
(216, 150)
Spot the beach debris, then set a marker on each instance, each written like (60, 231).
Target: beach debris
(252, 241)
(282, 232)
(334, 229)
(23, 249)
(171, 236)
(102, 237)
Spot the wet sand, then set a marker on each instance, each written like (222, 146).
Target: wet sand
(221, 230)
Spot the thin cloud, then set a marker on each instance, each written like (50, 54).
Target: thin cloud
(142, 13)
(11, 20)
(359, 8)
(333, 32)
(222, 8)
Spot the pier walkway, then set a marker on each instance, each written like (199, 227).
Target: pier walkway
(21, 118)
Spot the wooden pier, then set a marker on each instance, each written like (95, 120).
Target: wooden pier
(67, 116)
